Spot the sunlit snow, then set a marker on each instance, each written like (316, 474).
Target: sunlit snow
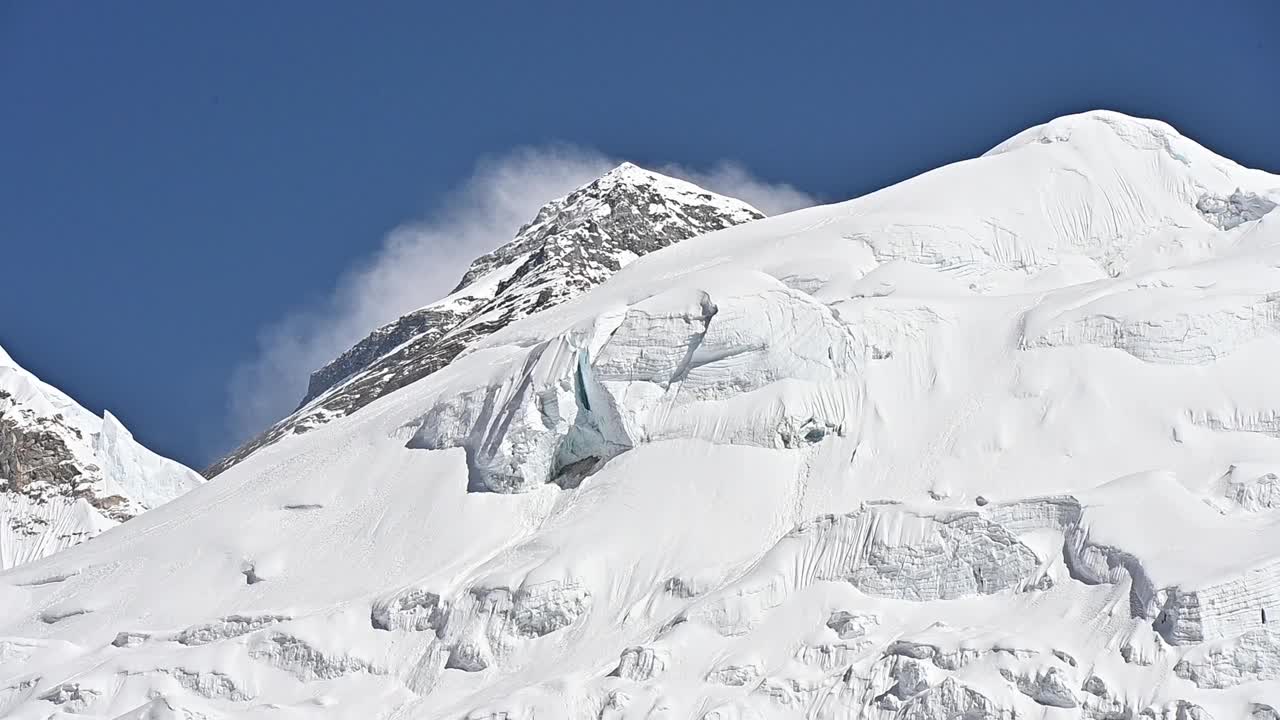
(998, 441)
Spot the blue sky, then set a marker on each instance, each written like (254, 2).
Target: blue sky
(179, 181)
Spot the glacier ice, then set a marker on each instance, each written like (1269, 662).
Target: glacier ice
(1234, 209)
(672, 366)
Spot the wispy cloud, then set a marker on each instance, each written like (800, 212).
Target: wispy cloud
(420, 262)
(730, 178)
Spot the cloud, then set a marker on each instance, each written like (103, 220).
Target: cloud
(420, 262)
(729, 178)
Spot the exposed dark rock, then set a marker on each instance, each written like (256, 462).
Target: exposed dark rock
(30, 455)
(35, 461)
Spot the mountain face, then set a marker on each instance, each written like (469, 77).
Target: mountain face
(574, 244)
(1000, 441)
(66, 474)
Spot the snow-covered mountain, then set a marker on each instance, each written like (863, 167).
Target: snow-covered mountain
(1000, 441)
(573, 244)
(66, 474)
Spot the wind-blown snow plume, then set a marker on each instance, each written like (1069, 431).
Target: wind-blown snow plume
(734, 180)
(421, 261)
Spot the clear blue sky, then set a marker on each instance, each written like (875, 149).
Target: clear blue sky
(176, 176)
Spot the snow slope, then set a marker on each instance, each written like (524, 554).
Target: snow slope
(66, 474)
(999, 441)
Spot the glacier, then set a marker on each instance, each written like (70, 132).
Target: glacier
(999, 441)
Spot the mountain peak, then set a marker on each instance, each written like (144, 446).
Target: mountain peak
(625, 175)
(573, 244)
(628, 173)
(674, 189)
(1101, 128)
(626, 169)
